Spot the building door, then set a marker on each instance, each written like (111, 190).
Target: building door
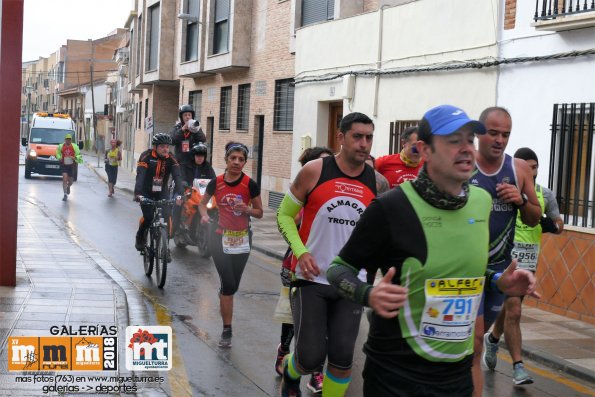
(258, 147)
(209, 136)
(335, 116)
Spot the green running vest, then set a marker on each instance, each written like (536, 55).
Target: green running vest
(437, 320)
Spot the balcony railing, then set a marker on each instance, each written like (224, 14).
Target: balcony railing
(551, 9)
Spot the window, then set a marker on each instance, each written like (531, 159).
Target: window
(192, 8)
(139, 43)
(146, 107)
(396, 129)
(243, 107)
(153, 45)
(225, 108)
(283, 116)
(140, 115)
(572, 162)
(60, 72)
(221, 35)
(195, 100)
(317, 11)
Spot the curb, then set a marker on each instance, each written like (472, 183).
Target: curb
(267, 251)
(558, 363)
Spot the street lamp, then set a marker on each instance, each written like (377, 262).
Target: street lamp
(28, 90)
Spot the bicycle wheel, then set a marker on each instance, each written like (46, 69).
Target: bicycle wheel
(161, 258)
(148, 255)
(202, 241)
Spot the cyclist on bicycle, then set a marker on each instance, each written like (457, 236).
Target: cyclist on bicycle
(153, 170)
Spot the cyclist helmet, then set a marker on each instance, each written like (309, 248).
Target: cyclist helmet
(199, 149)
(184, 109)
(161, 139)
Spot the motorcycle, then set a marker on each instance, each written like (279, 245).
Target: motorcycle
(191, 231)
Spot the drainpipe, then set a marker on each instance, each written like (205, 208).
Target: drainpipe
(378, 59)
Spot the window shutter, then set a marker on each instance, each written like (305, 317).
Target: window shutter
(317, 10)
(221, 10)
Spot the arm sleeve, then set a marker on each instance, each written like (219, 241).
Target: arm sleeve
(210, 190)
(59, 152)
(200, 136)
(343, 276)
(290, 207)
(254, 189)
(77, 153)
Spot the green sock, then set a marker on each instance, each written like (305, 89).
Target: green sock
(292, 370)
(333, 386)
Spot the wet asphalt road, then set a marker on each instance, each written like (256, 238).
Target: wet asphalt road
(190, 305)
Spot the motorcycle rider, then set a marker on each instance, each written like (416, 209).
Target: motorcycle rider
(202, 170)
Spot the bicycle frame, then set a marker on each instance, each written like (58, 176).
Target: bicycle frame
(156, 252)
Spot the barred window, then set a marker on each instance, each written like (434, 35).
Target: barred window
(195, 100)
(283, 116)
(225, 108)
(243, 107)
(572, 162)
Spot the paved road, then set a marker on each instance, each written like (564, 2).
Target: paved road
(189, 303)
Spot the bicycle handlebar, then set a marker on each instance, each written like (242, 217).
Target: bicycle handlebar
(148, 201)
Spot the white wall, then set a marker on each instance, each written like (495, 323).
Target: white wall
(529, 91)
(415, 34)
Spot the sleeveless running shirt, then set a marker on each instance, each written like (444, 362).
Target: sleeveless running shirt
(503, 215)
(226, 197)
(331, 211)
(438, 318)
(527, 239)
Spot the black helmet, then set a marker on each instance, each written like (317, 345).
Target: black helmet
(199, 149)
(184, 109)
(161, 139)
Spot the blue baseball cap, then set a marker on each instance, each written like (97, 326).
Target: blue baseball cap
(446, 119)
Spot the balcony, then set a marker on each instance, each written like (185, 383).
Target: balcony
(560, 15)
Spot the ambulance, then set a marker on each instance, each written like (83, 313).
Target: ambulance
(46, 133)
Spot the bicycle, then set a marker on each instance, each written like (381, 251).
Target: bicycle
(156, 252)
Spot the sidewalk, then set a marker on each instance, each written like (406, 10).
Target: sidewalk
(63, 284)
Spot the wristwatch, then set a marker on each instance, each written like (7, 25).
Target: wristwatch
(525, 199)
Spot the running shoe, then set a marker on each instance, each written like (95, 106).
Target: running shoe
(279, 361)
(225, 340)
(289, 387)
(489, 355)
(520, 376)
(315, 384)
(65, 198)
